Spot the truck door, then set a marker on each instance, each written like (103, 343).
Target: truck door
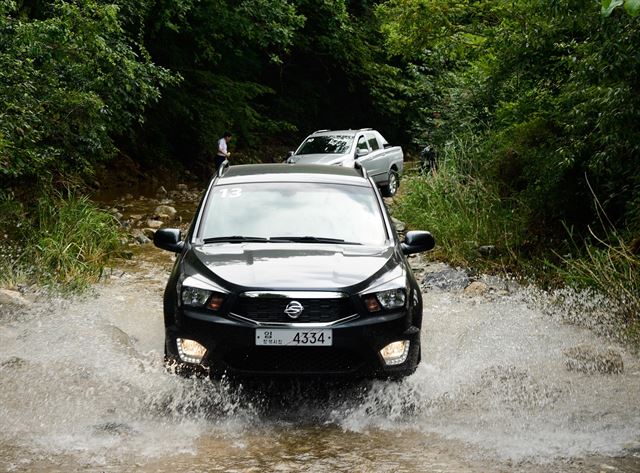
(376, 164)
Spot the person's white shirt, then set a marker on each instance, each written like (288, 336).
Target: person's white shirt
(222, 147)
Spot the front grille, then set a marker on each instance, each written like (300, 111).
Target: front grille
(294, 360)
(272, 309)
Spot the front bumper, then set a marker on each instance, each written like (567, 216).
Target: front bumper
(355, 350)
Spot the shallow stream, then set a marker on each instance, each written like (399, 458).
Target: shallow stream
(83, 388)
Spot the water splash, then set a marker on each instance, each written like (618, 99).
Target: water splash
(84, 378)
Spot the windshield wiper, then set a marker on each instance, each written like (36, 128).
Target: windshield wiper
(313, 239)
(295, 239)
(234, 239)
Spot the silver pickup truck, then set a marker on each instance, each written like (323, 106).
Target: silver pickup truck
(384, 163)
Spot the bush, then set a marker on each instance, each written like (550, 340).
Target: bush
(62, 241)
(463, 212)
(612, 269)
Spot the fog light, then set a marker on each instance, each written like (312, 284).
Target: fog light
(395, 353)
(190, 351)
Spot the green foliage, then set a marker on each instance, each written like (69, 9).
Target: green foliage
(612, 268)
(550, 89)
(462, 211)
(545, 99)
(632, 7)
(70, 79)
(63, 241)
(221, 49)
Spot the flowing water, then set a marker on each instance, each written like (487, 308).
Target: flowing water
(83, 388)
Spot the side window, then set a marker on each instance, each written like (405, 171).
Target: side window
(362, 144)
(373, 142)
(385, 143)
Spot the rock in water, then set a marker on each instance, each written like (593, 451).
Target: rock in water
(589, 359)
(9, 297)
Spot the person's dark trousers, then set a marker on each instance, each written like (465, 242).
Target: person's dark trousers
(218, 162)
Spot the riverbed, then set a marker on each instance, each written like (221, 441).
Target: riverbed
(83, 388)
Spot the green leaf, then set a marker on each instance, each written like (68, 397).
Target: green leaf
(609, 5)
(632, 7)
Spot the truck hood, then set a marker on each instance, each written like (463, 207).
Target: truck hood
(300, 266)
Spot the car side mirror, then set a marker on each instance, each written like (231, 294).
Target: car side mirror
(169, 239)
(289, 156)
(361, 152)
(417, 241)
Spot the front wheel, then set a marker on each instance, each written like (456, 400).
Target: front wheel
(391, 188)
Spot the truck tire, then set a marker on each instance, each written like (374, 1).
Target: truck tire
(391, 187)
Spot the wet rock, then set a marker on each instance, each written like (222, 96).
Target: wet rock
(148, 232)
(118, 336)
(589, 359)
(488, 250)
(114, 428)
(514, 387)
(400, 225)
(113, 211)
(165, 210)
(444, 277)
(499, 285)
(182, 187)
(14, 298)
(417, 263)
(152, 223)
(135, 217)
(140, 237)
(476, 288)
(15, 362)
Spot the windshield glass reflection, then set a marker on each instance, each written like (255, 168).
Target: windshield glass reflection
(336, 144)
(306, 212)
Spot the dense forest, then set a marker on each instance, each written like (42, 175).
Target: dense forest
(532, 107)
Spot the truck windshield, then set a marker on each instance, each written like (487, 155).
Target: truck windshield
(334, 144)
(298, 211)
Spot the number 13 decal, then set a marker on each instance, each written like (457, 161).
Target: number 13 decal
(231, 193)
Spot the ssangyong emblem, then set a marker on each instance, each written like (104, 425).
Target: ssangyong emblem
(293, 309)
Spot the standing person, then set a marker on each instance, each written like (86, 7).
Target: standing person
(222, 154)
(429, 159)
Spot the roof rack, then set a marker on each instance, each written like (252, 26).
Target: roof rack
(365, 129)
(320, 131)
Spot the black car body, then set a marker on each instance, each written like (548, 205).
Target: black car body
(293, 271)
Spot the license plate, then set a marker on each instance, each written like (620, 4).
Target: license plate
(293, 337)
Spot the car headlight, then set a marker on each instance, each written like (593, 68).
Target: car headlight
(198, 297)
(385, 300)
(190, 351)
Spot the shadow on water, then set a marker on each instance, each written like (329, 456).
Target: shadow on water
(303, 401)
(294, 401)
